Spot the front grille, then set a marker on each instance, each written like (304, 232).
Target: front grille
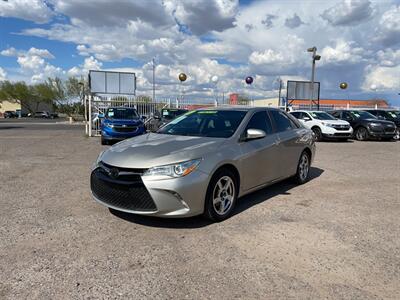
(125, 192)
(389, 129)
(118, 128)
(342, 134)
(341, 127)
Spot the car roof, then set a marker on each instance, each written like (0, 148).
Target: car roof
(238, 108)
(309, 111)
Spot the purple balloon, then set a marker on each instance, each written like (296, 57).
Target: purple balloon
(249, 80)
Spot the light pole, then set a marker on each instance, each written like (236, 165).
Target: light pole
(315, 57)
(154, 79)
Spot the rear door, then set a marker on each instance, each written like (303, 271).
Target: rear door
(289, 149)
(260, 158)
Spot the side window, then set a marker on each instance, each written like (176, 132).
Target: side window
(282, 122)
(297, 114)
(260, 120)
(346, 115)
(336, 114)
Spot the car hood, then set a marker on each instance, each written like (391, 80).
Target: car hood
(155, 149)
(383, 122)
(123, 121)
(336, 122)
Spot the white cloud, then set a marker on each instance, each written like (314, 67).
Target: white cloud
(348, 12)
(342, 52)
(89, 63)
(40, 52)
(33, 64)
(389, 57)
(201, 17)
(382, 78)
(269, 56)
(388, 31)
(9, 52)
(31, 10)
(3, 74)
(31, 52)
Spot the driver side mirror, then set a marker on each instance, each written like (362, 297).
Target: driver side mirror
(101, 116)
(306, 119)
(253, 134)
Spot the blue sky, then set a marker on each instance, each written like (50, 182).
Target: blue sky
(359, 41)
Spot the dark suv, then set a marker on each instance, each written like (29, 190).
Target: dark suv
(166, 116)
(8, 114)
(365, 125)
(389, 115)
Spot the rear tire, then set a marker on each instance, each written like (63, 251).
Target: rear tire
(303, 168)
(318, 133)
(361, 134)
(221, 195)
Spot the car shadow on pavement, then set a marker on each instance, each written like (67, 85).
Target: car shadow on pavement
(244, 203)
(267, 193)
(10, 127)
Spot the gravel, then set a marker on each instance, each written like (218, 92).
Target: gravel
(335, 237)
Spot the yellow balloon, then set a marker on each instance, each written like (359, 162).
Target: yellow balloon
(182, 77)
(343, 85)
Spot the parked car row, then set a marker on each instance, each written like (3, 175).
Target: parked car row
(39, 114)
(359, 124)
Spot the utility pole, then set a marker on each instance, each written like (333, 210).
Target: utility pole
(154, 80)
(280, 89)
(315, 57)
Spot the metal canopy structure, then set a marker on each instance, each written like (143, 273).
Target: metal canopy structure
(110, 82)
(301, 90)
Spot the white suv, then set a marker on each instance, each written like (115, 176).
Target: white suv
(324, 125)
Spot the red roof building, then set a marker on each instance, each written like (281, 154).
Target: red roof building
(337, 103)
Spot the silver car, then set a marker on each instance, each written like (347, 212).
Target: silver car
(201, 162)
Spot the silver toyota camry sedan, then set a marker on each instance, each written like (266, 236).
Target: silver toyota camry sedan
(201, 162)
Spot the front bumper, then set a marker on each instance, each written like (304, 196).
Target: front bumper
(329, 132)
(110, 134)
(382, 132)
(175, 197)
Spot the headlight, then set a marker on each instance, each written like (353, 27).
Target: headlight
(98, 160)
(327, 124)
(375, 124)
(109, 125)
(174, 170)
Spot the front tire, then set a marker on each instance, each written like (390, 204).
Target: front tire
(303, 168)
(221, 195)
(361, 134)
(103, 141)
(318, 133)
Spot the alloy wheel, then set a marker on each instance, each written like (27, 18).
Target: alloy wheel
(304, 167)
(361, 134)
(223, 195)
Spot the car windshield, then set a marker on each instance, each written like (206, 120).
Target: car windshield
(359, 114)
(170, 114)
(320, 115)
(392, 114)
(205, 123)
(122, 113)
